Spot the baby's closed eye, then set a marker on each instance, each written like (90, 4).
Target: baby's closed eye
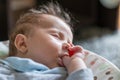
(56, 35)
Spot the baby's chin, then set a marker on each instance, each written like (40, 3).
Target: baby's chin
(58, 64)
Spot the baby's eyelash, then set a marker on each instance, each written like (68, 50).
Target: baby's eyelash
(56, 35)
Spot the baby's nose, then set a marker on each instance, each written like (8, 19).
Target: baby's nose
(65, 46)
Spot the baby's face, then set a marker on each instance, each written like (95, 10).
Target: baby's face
(48, 42)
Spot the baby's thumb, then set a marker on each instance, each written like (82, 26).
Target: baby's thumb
(66, 60)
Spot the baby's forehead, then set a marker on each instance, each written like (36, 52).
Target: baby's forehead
(58, 23)
(43, 20)
(50, 20)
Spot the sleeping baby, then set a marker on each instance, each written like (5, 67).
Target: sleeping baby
(41, 48)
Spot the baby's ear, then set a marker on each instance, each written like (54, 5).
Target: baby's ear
(20, 43)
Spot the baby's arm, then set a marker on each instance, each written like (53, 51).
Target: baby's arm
(76, 66)
(83, 74)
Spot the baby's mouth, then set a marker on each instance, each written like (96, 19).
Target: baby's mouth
(60, 62)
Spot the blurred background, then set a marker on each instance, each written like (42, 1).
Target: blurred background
(96, 24)
(92, 17)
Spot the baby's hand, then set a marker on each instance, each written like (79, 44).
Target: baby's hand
(74, 61)
(73, 49)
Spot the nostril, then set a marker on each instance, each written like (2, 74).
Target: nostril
(66, 46)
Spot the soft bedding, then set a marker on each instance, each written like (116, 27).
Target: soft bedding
(4, 48)
(101, 67)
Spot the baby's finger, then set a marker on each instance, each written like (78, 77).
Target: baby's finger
(80, 55)
(74, 50)
(66, 60)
